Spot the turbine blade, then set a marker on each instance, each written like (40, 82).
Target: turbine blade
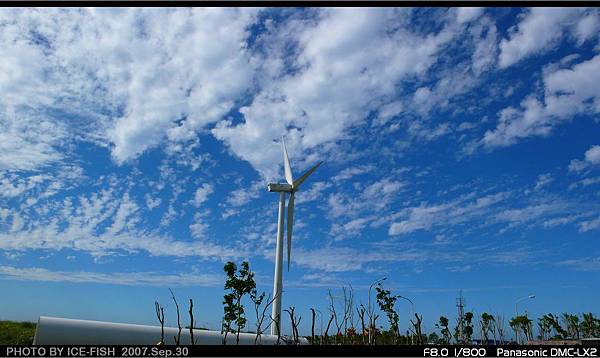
(300, 180)
(286, 164)
(290, 225)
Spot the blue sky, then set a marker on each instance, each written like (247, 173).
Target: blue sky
(461, 149)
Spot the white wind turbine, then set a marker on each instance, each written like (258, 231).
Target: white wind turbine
(291, 187)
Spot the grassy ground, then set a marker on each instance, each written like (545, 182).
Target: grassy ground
(16, 332)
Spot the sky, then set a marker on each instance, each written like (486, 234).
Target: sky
(461, 151)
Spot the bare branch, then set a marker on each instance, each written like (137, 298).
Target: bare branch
(178, 337)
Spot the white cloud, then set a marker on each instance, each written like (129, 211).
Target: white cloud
(168, 216)
(244, 195)
(388, 111)
(382, 189)
(375, 196)
(12, 185)
(341, 259)
(486, 48)
(591, 158)
(561, 221)
(101, 224)
(114, 278)
(530, 213)
(199, 227)
(574, 90)
(428, 217)
(124, 218)
(567, 92)
(202, 194)
(589, 225)
(347, 62)
(583, 264)
(341, 231)
(592, 155)
(28, 141)
(313, 193)
(466, 14)
(587, 27)
(138, 76)
(540, 29)
(515, 124)
(152, 203)
(353, 171)
(584, 182)
(543, 180)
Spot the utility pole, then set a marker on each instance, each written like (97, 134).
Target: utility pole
(460, 304)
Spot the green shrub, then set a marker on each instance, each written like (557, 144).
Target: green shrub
(16, 332)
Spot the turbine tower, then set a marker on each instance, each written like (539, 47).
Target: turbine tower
(290, 187)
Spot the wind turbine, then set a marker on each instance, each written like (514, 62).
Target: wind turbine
(290, 187)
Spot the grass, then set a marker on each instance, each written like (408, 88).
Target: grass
(16, 332)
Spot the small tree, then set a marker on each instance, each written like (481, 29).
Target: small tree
(499, 324)
(545, 327)
(386, 302)
(572, 324)
(433, 338)
(467, 328)
(590, 326)
(238, 284)
(444, 330)
(553, 321)
(487, 324)
(521, 324)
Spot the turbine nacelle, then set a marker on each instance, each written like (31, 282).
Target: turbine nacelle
(277, 187)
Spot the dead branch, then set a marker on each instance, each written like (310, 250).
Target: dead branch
(417, 326)
(160, 314)
(361, 315)
(334, 313)
(260, 317)
(312, 326)
(295, 323)
(192, 322)
(178, 337)
(327, 330)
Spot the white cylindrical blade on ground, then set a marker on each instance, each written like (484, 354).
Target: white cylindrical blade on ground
(56, 331)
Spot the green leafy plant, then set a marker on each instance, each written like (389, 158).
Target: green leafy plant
(386, 302)
(486, 322)
(522, 325)
(444, 330)
(467, 327)
(590, 326)
(16, 333)
(238, 284)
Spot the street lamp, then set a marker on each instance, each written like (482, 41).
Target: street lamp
(517, 312)
(522, 299)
